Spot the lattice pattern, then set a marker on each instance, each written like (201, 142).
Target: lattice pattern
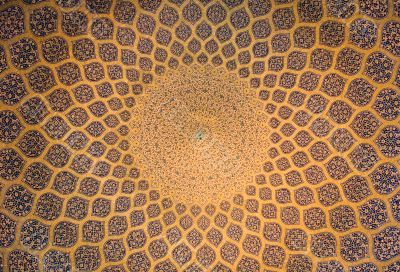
(82, 187)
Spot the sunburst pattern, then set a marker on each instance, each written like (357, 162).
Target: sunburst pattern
(232, 135)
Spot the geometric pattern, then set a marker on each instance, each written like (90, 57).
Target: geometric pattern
(173, 135)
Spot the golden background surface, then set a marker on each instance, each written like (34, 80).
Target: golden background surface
(233, 135)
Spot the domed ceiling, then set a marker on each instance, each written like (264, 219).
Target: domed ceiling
(200, 135)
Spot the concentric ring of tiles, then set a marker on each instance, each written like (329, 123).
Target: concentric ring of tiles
(74, 73)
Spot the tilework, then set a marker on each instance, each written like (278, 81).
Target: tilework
(172, 135)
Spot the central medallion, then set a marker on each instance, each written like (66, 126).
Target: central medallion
(199, 133)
